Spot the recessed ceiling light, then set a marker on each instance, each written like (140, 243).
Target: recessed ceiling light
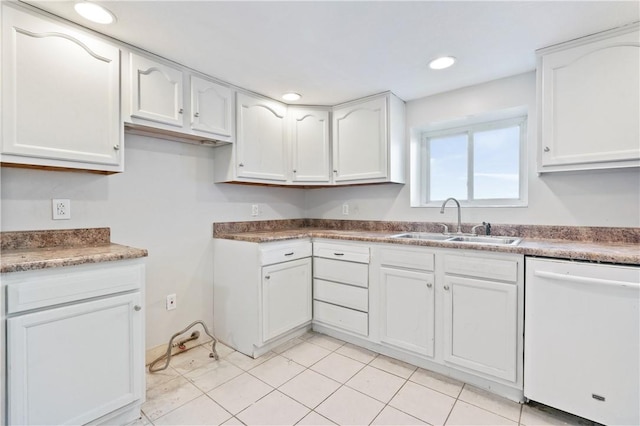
(291, 96)
(94, 12)
(442, 62)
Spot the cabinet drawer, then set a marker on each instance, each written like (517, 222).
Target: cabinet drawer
(481, 267)
(407, 258)
(282, 252)
(342, 272)
(48, 287)
(341, 251)
(341, 294)
(337, 316)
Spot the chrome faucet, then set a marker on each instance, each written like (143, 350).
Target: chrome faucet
(459, 229)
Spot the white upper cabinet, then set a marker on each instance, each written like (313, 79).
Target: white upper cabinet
(309, 145)
(589, 108)
(211, 107)
(60, 96)
(368, 140)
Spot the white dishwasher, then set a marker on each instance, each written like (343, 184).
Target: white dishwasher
(582, 339)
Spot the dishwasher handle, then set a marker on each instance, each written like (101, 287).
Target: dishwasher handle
(586, 280)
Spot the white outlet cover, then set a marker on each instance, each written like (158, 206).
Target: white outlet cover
(61, 208)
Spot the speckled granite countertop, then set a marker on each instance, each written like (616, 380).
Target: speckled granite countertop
(610, 245)
(29, 250)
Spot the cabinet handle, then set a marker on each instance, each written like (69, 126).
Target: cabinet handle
(338, 254)
(289, 254)
(267, 277)
(180, 111)
(197, 114)
(429, 285)
(446, 287)
(116, 147)
(137, 307)
(547, 149)
(240, 165)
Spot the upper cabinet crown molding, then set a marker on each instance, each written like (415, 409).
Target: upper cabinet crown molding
(588, 103)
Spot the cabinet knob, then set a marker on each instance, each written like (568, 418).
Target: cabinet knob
(267, 277)
(137, 307)
(197, 114)
(547, 149)
(295, 171)
(446, 287)
(180, 111)
(240, 165)
(116, 147)
(429, 285)
(335, 171)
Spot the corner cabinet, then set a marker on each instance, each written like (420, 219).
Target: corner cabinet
(309, 140)
(60, 96)
(589, 108)
(369, 140)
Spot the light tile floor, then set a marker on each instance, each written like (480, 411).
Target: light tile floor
(319, 380)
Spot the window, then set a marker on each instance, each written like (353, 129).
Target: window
(481, 164)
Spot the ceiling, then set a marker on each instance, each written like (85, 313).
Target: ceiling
(336, 51)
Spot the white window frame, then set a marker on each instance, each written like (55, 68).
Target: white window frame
(424, 183)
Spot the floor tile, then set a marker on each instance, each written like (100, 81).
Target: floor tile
(315, 419)
(537, 414)
(277, 371)
(376, 383)
(222, 349)
(393, 366)
(287, 345)
(274, 409)
(338, 367)
(160, 377)
(168, 396)
(246, 362)
(216, 374)
(239, 393)
(392, 417)
(349, 407)
(464, 414)
(437, 382)
(308, 335)
(306, 354)
(491, 402)
(142, 421)
(200, 411)
(426, 404)
(309, 388)
(233, 422)
(192, 359)
(357, 353)
(326, 342)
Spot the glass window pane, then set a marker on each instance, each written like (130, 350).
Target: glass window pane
(496, 163)
(448, 167)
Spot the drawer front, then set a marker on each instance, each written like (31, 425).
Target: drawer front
(344, 318)
(342, 252)
(48, 287)
(495, 269)
(342, 272)
(422, 260)
(282, 252)
(341, 294)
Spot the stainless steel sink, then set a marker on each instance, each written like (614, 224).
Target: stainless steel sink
(470, 239)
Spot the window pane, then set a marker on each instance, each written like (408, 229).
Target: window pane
(496, 163)
(448, 167)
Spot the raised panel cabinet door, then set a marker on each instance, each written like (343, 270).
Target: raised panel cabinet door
(360, 140)
(261, 147)
(407, 310)
(590, 103)
(480, 326)
(76, 363)
(156, 91)
(211, 108)
(286, 297)
(310, 145)
(60, 92)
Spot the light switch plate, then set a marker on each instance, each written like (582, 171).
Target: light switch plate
(61, 208)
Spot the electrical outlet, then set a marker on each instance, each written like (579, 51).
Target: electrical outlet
(345, 209)
(255, 210)
(171, 302)
(61, 209)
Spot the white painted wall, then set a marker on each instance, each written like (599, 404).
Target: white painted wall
(165, 202)
(604, 198)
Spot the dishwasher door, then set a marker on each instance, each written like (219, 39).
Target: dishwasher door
(582, 339)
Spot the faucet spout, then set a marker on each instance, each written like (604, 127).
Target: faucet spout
(459, 229)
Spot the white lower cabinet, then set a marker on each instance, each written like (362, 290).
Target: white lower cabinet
(81, 361)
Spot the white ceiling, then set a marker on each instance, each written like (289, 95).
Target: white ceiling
(331, 52)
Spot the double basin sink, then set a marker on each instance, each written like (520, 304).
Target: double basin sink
(457, 238)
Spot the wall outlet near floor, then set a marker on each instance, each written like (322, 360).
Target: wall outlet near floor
(61, 208)
(255, 210)
(171, 302)
(345, 209)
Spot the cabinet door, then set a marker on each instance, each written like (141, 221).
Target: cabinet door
(60, 92)
(310, 145)
(360, 141)
(261, 150)
(156, 91)
(407, 309)
(590, 104)
(211, 108)
(73, 364)
(480, 325)
(286, 297)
